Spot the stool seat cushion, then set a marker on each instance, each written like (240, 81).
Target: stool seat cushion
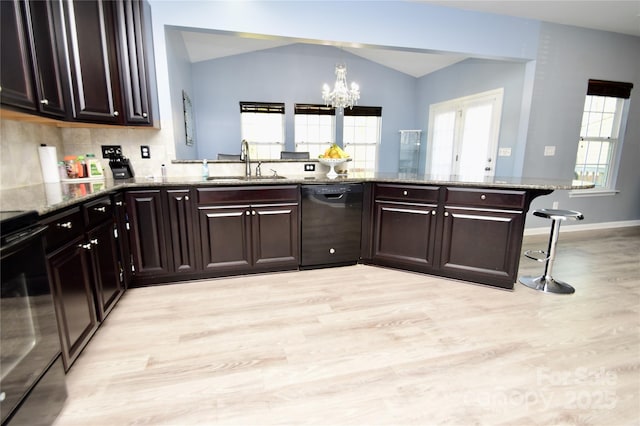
(558, 214)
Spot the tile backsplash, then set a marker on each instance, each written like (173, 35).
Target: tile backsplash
(19, 142)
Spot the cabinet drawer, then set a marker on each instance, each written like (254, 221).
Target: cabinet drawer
(485, 198)
(63, 227)
(250, 194)
(407, 193)
(96, 212)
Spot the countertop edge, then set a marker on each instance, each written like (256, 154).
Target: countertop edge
(50, 200)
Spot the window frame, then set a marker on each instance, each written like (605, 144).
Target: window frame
(315, 147)
(621, 92)
(263, 148)
(363, 111)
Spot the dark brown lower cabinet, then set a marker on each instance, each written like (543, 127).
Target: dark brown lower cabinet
(147, 236)
(248, 238)
(71, 281)
(405, 235)
(108, 277)
(482, 245)
(472, 234)
(184, 238)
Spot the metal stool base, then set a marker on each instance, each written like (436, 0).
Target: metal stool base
(547, 285)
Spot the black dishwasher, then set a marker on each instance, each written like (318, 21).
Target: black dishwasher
(331, 224)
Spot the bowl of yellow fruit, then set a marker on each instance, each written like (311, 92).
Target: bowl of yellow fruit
(332, 157)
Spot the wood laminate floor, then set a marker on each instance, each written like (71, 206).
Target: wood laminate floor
(364, 345)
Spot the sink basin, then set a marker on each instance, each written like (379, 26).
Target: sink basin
(226, 178)
(266, 177)
(244, 178)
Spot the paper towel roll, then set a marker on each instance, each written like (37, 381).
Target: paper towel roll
(49, 164)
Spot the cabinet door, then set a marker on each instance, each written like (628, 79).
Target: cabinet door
(147, 234)
(108, 285)
(124, 251)
(182, 249)
(133, 64)
(275, 236)
(404, 235)
(482, 245)
(16, 72)
(51, 71)
(93, 61)
(70, 278)
(225, 238)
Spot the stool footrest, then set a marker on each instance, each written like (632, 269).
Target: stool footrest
(529, 254)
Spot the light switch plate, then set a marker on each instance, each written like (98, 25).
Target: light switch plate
(549, 150)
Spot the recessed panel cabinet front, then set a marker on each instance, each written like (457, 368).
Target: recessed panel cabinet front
(147, 234)
(225, 237)
(275, 235)
(180, 212)
(481, 245)
(405, 235)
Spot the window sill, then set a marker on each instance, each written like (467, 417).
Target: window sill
(593, 192)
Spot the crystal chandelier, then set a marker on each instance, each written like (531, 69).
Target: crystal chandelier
(341, 96)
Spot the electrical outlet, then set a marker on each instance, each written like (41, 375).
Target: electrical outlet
(109, 151)
(309, 167)
(555, 205)
(549, 151)
(145, 152)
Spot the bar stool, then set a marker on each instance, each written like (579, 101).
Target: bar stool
(546, 283)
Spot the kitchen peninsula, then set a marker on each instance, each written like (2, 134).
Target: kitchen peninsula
(106, 236)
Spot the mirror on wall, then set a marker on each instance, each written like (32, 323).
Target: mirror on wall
(220, 69)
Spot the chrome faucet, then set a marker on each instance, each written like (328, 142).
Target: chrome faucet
(244, 155)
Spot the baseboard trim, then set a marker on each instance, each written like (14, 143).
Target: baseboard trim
(587, 227)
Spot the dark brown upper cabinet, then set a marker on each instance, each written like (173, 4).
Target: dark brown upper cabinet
(33, 65)
(95, 56)
(133, 63)
(93, 64)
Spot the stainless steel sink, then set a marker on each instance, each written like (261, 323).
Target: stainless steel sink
(244, 178)
(226, 178)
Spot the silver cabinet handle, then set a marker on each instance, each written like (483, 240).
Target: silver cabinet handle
(405, 193)
(119, 203)
(253, 212)
(446, 213)
(247, 212)
(85, 246)
(116, 113)
(100, 209)
(145, 115)
(186, 198)
(44, 102)
(94, 241)
(66, 225)
(483, 197)
(433, 212)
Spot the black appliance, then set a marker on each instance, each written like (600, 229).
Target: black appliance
(32, 381)
(121, 167)
(331, 224)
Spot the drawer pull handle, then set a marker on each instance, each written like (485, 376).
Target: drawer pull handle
(332, 250)
(94, 241)
(66, 225)
(247, 213)
(253, 212)
(483, 197)
(100, 209)
(405, 193)
(446, 213)
(85, 246)
(433, 212)
(186, 198)
(119, 203)
(45, 102)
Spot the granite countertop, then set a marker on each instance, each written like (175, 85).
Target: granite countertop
(49, 197)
